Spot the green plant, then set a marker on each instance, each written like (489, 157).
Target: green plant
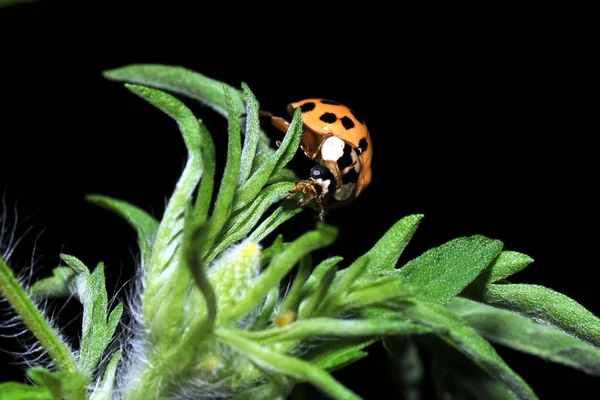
(211, 318)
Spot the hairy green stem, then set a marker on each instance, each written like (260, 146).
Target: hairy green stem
(35, 321)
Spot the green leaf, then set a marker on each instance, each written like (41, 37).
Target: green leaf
(384, 256)
(145, 224)
(272, 222)
(19, 391)
(250, 188)
(286, 365)
(337, 354)
(331, 327)
(506, 264)
(282, 263)
(309, 307)
(443, 272)
(198, 87)
(58, 285)
(245, 219)
(454, 331)
(283, 175)
(266, 310)
(179, 80)
(76, 265)
(341, 284)
(543, 305)
(293, 295)
(251, 136)
(456, 377)
(97, 328)
(318, 273)
(50, 341)
(205, 190)
(515, 331)
(223, 204)
(137, 218)
(113, 320)
(62, 385)
(384, 290)
(107, 386)
(168, 237)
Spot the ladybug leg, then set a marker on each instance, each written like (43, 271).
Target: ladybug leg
(278, 122)
(307, 189)
(309, 143)
(310, 194)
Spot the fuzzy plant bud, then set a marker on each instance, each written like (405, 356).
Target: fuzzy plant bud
(232, 274)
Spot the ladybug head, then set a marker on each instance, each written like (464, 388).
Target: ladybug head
(324, 181)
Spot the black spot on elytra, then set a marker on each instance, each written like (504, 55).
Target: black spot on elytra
(362, 145)
(350, 177)
(334, 103)
(346, 159)
(359, 119)
(328, 117)
(347, 122)
(307, 106)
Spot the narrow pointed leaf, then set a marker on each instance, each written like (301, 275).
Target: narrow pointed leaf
(293, 295)
(543, 305)
(92, 293)
(223, 204)
(251, 136)
(318, 273)
(443, 272)
(384, 256)
(113, 320)
(76, 264)
(250, 188)
(107, 386)
(205, 190)
(266, 310)
(136, 217)
(331, 327)
(310, 305)
(246, 218)
(506, 264)
(389, 289)
(273, 221)
(449, 327)
(515, 331)
(168, 236)
(179, 80)
(198, 87)
(333, 356)
(287, 365)
(58, 285)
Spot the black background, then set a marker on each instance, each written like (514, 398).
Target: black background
(478, 119)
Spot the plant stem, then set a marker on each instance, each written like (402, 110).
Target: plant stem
(35, 321)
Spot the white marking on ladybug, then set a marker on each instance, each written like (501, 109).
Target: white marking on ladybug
(332, 149)
(324, 184)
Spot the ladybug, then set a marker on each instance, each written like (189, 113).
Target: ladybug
(340, 144)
